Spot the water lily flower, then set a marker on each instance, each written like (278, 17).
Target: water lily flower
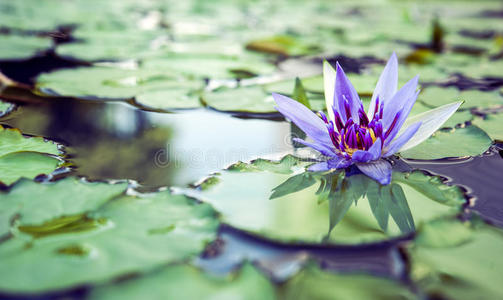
(349, 135)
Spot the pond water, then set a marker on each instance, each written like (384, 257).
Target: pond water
(141, 154)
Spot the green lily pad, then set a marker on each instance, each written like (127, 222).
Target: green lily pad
(129, 234)
(308, 208)
(209, 67)
(282, 45)
(187, 282)
(459, 142)
(6, 108)
(250, 99)
(63, 198)
(22, 47)
(436, 96)
(25, 156)
(94, 45)
(313, 283)
(112, 83)
(466, 267)
(492, 125)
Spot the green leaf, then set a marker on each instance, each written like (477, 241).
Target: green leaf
(25, 164)
(65, 197)
(282, 45)
(126, 235)
(299, 93)
(437, 96)
(299, 214)
(116, 83)
(187, 282)
(6, 108)
(491, 124)
(22, 47)
(25, 156)
(452, 261)
(459, 142)
(313, 283)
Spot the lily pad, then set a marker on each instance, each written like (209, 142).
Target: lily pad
(129, 234)
(318, 211)
(5, 108)
(436, 96)
(250, 99)
(112, 83)
(187, 282)
(22, 47)
(65, 197)
(459, 142)
(285, 45)
(209, 67)
(492, 125)
(94, 45)
(313, 283)
(466, 267)
(27, 157)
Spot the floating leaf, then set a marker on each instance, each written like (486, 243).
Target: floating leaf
(22, 47)
(492, 125)
(65, 197)
(6, 108)
(310, 217)
(282, 45)
(313, 283)
(186, 282)
(113, 83)
(127, 235)
(452, 261)
(459, 142)
(436, 96)
(25, 156)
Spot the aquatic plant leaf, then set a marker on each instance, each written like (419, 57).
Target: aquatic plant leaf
(25, 164)
(131, 234)
(492, 125)
(299, 93)
(187, 282)
(285, 45)
(22, 47)
(6, 108)
(113, 83)
(313, 283)
(466, 267)
(300, 213)
(209, 67)
(28, 157)
(66, 197)
(436, 96)
(459, 142)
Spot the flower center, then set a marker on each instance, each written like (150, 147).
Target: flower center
(349, 136)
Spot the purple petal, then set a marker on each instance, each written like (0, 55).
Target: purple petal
(373, 153)
(402, 139)
(387, 84)
(431, 121)
(345, 91)
(404, 113)
(304, 118)
(335, 163)
(380, 170)
(323, 149)
(329, 85)
(399, 100)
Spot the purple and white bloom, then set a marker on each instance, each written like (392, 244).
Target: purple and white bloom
(349, 135)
